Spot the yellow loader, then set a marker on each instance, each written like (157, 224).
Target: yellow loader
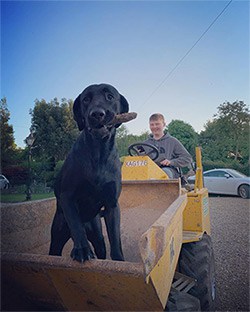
(169, 263)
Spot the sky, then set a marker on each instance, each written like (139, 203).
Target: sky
(57, 48)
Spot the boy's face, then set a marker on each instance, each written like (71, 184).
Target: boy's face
(157, 127)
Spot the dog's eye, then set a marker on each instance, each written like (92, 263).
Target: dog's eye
(86, 99)
(109, 96)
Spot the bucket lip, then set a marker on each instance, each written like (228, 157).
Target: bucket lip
(169, 181)
(94, 265)
(28, 203)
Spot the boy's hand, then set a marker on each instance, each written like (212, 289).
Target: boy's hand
(165, 162)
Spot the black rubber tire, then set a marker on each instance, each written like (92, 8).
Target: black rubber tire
(179, 301)
(243, 191)
(197, 260)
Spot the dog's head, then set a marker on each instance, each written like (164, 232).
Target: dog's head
(96, 106)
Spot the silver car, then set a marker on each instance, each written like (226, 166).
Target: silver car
(225, 181)
(4, 182)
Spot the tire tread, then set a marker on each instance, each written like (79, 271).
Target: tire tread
(197, 261)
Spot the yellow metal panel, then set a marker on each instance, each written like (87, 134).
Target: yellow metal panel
(25, 284)
(163, 273)
(60, 283)
(196, 216)
(26, 226)
(141, 168)
(199, 171)
(160, 193)
(104, 291)
(160, 247)
(189, 236)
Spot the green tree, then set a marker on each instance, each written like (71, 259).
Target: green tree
(225, 140)
(227, 133)
(7, 135)
(214, 145)
(185, 133)
(54, 128)
(234, 119)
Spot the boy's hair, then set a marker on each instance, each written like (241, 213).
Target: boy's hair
(157, 116)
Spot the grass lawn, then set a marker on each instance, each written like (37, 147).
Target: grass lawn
(15, 198)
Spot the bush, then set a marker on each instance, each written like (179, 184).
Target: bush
(17, 175)
(208, 165)
(58, 167)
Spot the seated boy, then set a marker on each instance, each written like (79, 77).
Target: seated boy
(173, 154)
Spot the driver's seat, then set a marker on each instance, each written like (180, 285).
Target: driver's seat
(178, 173)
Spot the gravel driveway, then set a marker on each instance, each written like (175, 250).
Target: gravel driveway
(230, 235)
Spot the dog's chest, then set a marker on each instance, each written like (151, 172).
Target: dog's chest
(91, 197)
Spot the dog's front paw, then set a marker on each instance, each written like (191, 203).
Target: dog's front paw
(82, 254)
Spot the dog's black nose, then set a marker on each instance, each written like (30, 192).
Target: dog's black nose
(98, 114)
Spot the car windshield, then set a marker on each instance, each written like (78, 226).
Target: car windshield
(236, 174)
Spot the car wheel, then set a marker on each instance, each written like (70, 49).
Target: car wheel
(6, 186)
(244, 191)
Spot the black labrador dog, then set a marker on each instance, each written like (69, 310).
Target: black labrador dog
(89, 183)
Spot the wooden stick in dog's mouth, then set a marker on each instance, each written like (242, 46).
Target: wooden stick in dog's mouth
(103, 131)
(121, 118)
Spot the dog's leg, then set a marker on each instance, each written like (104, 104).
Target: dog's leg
(95, 236)
(60, 234)
(112, 220)
(81, 250)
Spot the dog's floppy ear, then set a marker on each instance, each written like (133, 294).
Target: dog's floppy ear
(124, 104)
(78, 114)
(124, 107)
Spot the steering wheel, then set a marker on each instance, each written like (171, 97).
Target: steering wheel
(138, 149)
